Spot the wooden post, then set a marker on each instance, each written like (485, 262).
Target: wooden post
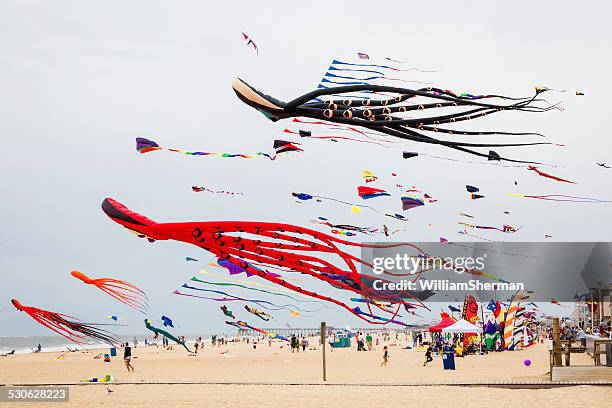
(567, 354)
(556, 343)
(323, 345)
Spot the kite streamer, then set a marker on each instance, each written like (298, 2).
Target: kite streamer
(145, 146)
(345, 227)
(242, 325)
(306, 197)
(121, 290)
(65, 326)
(229, 298)
(506, 228)
(198, 189)
(464, 232)
(561, 197)
(550, 176)
(382, 114)
(292, 248)
(337, 62)
(195, 279)
(308, 134)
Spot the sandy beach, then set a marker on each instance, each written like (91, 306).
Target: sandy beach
(274, 375)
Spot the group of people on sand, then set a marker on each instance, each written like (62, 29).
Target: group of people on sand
(218, 341)
(296, 343)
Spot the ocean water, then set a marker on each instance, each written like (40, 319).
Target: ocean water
(28, 344)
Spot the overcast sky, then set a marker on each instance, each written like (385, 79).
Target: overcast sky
(80, 80)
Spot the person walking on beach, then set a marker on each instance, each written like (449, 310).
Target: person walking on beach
(39, 348)
(304, 343)
(385, 357)
(127, 357)
(369, 341)
(293, 343)
(428, 358)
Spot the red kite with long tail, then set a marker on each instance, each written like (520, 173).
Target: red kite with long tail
(63, 325)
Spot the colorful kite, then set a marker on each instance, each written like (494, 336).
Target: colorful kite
(382, 114)
(157, 331)
(280, 146)
(368, 176)
(167, 321)
(356, 208)
(227, 312)
(505, 228)
(258, 313)
(361, 55)
(454, 309)
(250, 42)
(121, 290)
(411, 202)
(198, 189)
(284, 246)
(243, 325)
(345, 227)
(370, 192)
(65, 326)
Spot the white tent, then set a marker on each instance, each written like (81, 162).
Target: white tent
(462, 326)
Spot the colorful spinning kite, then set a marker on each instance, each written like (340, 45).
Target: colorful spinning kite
(66, 327)
(283, 246)
(280, 146)
(382, 114)
(121, 290)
